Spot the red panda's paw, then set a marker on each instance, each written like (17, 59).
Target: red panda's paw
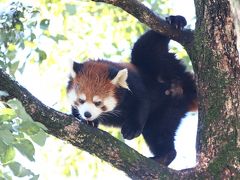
(166, 159)
(91, 123)
(131, 130)
(177, 21)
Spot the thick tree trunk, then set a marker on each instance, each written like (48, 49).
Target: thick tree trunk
(215, 59)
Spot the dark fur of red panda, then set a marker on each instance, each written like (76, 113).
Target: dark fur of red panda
(148, 96)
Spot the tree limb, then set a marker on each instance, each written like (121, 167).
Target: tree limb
(146, 16)
(92, 140)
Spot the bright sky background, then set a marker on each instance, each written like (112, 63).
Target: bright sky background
(43, 86)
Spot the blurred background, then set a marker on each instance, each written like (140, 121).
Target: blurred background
(37, 41)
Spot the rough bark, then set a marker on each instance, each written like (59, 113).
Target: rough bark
(215, 59)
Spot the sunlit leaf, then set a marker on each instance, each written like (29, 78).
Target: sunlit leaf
(7, 111)
(11, 47)
(29, 44)
(9, 155)
(6, 114)
(19, 26)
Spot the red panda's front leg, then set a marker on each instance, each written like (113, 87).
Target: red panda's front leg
(76, 114)
(137, 117)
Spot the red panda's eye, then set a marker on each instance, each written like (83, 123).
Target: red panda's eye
(81, 101)
(98, 103)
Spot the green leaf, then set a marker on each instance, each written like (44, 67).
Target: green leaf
(19, 109)
(41, 54)
(29, 128)
(13, 67)
(11, 55)
(40, 125)
(5, 176)
(7, 114)
(9, 155)
(71, 9)
(32, 37)
(14, 104)
(19, 26)
(1, 175)
(58, 37)
(3, 147)
(35, 177)
(26, 148)
(6, 136)
(35, 13)
(44, 24)
(18, 170)
(39, 138)
(2, 64)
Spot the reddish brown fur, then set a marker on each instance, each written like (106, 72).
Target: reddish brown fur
(129, 66)
(193, 106)
(95, 76)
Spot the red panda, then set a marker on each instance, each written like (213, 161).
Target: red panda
(109, 92)
(148, 96)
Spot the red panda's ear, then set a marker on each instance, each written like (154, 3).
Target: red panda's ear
(76, 67)
(120, 79)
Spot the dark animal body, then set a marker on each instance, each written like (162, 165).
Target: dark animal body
(148, 96)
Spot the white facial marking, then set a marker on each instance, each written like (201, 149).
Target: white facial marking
(82, 97)
(72, 96)
(90, 108)
(110, 103)
(96, 98)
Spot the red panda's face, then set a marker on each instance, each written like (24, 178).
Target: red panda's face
(92, 92)
(91, 107)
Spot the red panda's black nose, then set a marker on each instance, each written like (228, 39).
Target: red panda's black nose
(87, 114)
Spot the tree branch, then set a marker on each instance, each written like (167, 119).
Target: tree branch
(146, 16)
(92, 140)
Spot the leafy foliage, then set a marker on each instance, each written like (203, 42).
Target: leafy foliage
(20, 31)
(17, 133)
